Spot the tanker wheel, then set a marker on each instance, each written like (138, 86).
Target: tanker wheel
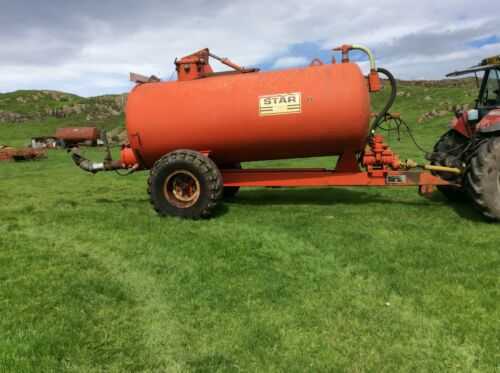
(186, 184)
(232, 191)
(483, 178)
(447, 150)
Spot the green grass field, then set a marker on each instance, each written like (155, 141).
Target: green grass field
(299, 280)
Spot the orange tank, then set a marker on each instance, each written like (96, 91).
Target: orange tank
(319, 110)
(77, 134)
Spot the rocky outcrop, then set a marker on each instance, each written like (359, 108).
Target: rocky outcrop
(117, 136)
(445, 109)
(450, 83)
(19, 107)
(11, 117)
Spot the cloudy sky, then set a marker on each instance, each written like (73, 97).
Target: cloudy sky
(88, 47)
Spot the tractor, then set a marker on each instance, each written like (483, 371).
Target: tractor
(473, 144)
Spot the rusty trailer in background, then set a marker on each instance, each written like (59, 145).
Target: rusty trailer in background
(70, 136)
(8, 153)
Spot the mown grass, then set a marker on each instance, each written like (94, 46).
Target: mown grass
(339, 279)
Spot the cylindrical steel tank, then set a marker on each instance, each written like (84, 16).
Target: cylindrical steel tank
(76, 135)
(303, 112)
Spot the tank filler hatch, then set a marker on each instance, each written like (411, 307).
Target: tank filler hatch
(196, 66)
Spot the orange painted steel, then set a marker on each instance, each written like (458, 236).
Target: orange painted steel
(220, 114)
(127, 156)
(246, 115)
(324, 178)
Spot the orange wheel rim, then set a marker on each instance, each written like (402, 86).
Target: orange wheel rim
(182, 189)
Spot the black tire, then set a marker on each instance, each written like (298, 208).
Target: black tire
(483, 178)
(231, 192)
(185, 183)
(445, 151)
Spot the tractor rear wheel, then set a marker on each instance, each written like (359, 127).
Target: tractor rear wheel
(446, 153)
(185, 183)
(483, 178)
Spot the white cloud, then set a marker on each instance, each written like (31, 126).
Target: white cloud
(442, 64)
(91, 49)
(292, 61)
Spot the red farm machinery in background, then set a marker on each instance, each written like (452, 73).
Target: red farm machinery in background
(8, 153)
(193, 134)
(70, 136)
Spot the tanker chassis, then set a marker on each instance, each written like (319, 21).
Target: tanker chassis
(194, 133)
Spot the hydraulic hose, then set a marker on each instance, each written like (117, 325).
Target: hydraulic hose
(383, 115)
(394, 90)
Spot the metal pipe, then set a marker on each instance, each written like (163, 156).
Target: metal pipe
(409, 164)
(94, 167)
(452, 170)
(231, 64)
(371, 57)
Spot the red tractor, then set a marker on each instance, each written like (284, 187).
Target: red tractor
(473, 144)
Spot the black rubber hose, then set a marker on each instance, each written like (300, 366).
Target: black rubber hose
(394, 90)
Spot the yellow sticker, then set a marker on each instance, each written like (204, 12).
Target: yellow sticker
(281, 103)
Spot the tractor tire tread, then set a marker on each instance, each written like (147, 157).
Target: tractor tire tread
(478, 184)
(450, 140)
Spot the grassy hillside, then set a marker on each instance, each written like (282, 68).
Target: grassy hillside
(339, 279)
(27, 114)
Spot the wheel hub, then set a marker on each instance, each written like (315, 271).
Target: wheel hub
(182, 189)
